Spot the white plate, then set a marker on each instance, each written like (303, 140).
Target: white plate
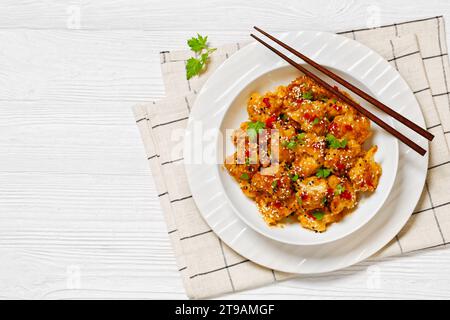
(293, 233)
(365, 68)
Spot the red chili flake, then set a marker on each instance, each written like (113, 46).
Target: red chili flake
(299, 101)
(330, 191)
(247, 153)
(266, 102)
(307, 116)
(337, 108)
(340, 166)
(304, 196)
(346, 195)
(333, 127)
(277, 204)
(348, 127)
(270, 121)
(310, 216)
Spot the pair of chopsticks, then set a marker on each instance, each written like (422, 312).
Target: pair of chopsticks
(424, 133)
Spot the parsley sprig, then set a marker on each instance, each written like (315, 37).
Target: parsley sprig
(195, 65)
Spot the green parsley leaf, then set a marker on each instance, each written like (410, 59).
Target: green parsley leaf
(324, 201)
(198, 43)
(284, 117)
(245, 176)
(339, 189)
(323, 173)
(316, 121)
(294, 177)
(193, 67)
(307, 95)
(253, 128)
(334, 142)
(334, 101)
(318, 215)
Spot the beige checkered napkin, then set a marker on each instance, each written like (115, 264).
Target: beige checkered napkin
(207, 265)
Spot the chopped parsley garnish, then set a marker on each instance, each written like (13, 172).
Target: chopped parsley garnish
(323, 173)
(294, 177)
(339, 189)
(324, 201)
(195, 65)
(254, 128)
(307, 95)
(334, 101)
(334, 142)
(316, 121)
(318, 215)
(284, 117)
(299, 200)
(245, 176)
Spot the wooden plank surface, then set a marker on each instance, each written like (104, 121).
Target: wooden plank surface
(79, 216)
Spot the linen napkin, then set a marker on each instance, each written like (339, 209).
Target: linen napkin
(208, 266)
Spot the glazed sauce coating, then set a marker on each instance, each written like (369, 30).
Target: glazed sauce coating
(322, 166)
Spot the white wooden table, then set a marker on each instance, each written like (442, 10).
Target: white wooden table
(79, 216)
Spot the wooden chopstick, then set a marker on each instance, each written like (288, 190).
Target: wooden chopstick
(347, 100)
(424, 133)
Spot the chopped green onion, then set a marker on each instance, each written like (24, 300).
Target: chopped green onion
(318, 215)
(291, 144)
(245, 176)
(323, 173)
(316, 121)
(301, 136)
(274, 185)
(339, 189)
(307, 95)
(334, 142)
(254, 128)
